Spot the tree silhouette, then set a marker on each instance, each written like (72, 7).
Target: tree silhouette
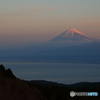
(9, 73)
(2, 68)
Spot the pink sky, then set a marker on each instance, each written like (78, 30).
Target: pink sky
(40, 21)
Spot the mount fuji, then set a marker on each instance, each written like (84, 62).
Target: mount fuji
(71, 46)
(72, 35)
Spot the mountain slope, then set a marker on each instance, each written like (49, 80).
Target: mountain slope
(72, 35)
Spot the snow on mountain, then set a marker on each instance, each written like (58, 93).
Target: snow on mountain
(72, 35)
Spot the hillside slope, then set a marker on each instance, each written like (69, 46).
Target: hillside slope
(12, 88)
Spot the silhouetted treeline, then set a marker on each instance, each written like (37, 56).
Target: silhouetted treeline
(12, 88)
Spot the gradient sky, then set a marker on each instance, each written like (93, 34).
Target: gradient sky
(27, 21)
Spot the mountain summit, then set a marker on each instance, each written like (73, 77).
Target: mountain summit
(72, 35)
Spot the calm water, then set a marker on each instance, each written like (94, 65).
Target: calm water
(58, 72)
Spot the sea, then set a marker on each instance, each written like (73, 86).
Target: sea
(66, 73)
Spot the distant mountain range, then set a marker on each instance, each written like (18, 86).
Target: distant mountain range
(70, 46)
(72, 35)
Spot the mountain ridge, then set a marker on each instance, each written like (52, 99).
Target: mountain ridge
(72, 35)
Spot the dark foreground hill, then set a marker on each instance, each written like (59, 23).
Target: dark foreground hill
(12, 88)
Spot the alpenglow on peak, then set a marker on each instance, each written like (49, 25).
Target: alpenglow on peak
(72, 35)
(73, 32)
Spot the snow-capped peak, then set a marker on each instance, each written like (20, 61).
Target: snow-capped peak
(73, 32)
(71, 35)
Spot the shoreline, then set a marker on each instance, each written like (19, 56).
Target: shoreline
(71, 62)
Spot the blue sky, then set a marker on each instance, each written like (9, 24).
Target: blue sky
(40, 20)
